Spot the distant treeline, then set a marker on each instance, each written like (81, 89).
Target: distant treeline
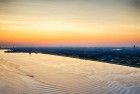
(121, 55)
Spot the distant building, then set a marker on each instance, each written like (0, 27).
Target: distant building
(134, 46)
(0, 46)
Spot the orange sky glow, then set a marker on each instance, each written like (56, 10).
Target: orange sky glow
(81, 23)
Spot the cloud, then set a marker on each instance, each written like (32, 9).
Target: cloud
(136, 4)
(4, 1)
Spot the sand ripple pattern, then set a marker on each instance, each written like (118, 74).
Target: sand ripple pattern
(21, 73)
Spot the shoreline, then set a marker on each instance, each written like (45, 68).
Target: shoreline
(71, 56)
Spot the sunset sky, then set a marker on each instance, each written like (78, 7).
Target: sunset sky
(70, 22)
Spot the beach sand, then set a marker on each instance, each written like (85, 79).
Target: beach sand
(21, 73)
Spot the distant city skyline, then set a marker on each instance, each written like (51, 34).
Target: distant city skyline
(94, 23)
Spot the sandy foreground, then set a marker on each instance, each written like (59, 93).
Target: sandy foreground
(21, 73)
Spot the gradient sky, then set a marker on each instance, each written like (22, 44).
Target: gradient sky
(70, 22)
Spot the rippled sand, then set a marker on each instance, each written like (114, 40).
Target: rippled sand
(21, 73)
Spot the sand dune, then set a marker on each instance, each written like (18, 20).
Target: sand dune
(21, 73)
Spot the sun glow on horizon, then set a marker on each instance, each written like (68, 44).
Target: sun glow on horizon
(72, 23)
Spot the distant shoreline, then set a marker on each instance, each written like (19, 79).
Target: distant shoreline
(121, 56)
